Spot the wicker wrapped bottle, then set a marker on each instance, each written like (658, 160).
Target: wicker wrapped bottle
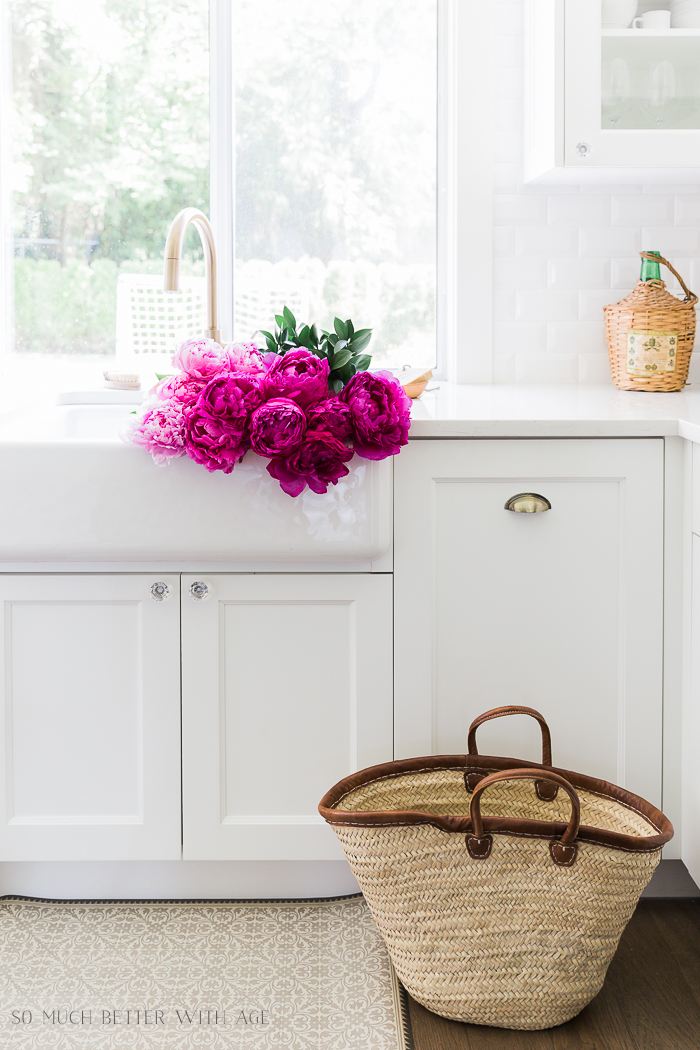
(651, 333)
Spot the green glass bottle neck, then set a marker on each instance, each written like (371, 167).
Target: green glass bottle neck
(651, 271)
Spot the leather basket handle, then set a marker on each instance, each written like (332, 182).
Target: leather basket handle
(563, 851)
(546, 791)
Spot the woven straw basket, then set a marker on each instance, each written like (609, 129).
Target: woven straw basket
(501, 887)
(650, 335)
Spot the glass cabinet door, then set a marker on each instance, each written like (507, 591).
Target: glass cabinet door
(632, 92)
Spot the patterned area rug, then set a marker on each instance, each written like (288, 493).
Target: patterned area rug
(298, 975)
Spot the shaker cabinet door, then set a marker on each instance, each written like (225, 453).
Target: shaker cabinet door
(286, 689)
(560, 610)
(91, 718)
(690, 843)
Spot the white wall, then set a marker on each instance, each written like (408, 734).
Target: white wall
(562, 253)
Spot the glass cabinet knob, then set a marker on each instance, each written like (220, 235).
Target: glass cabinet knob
(160, 591)
(583, 149)
(199, 590)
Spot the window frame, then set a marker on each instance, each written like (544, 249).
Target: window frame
(464, 250)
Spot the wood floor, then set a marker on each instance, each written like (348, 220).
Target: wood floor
(650, 999)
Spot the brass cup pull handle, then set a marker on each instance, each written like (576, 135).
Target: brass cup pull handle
(527, 503)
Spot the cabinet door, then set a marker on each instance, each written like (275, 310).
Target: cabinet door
(286, 689)
(630, 97)
(561, 611)
(690, 845)
(90, 733)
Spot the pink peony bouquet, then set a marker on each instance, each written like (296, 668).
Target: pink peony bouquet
(288, 406)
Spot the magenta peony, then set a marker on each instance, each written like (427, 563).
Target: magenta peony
(159, 428)
(216, 432)
(332, 415)
(318, 462)
(245, 357)
(277, 427)
(299, 375)
(381, 413)
(203, 358)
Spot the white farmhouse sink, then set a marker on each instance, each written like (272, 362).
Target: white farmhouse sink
(73, 491)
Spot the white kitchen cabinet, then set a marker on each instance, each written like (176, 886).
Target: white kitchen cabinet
(287, 688)
(602, 101)
(561, 610)
(91, 718)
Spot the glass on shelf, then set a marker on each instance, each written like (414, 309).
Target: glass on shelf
(650, 81)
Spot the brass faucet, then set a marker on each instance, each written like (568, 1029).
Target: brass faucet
(173, 250)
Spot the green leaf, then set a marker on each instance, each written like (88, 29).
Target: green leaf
(361, 339)
(340, 358)
(332, 340)
(361, 362)
(289, 317)
(281, 323)
(350, 328)
(341, 328)
(165, 376)
(337, 385)
(266, 334)
(303, 339)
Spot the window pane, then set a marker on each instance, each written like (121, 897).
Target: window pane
(336, 168)
(110, 140)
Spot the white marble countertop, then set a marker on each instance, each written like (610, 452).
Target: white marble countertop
(455, 410)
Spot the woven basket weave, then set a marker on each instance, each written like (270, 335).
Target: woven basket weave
(650, 335)
(508, 919)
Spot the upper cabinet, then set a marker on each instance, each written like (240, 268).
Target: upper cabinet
(603, 101)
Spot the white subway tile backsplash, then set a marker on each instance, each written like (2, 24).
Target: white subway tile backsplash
(611, 241)
(504, 304)
(575, 210)
(519, 337)
(591, 303)
(594, 368)
(519, 210)
(562, 252)
(579, 273)
(546, 368)
(688, 210)
(546, 306)
(625, 274)
(520, 273)
(548, 242)
(671, 240)
(503, 241)
(504, 368)
(580, 337)
(639, 210)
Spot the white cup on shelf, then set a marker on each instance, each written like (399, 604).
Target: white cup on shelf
(653, 20)
(618, 14)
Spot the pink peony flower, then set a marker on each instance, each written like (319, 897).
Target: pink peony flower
(216, 431)
(277, 427)
(160, 428)
(332, 415)
(203, 358)
(381, 413)
(318, 462)
(245, 357)
(299, 375)
(178, 388)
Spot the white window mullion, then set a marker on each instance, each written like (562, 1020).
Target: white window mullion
(465, 191)
(7, 326)
(222, 180)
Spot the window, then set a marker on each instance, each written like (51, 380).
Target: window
(323, 171)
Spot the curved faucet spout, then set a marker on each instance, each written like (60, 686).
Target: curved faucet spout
(173, 251)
